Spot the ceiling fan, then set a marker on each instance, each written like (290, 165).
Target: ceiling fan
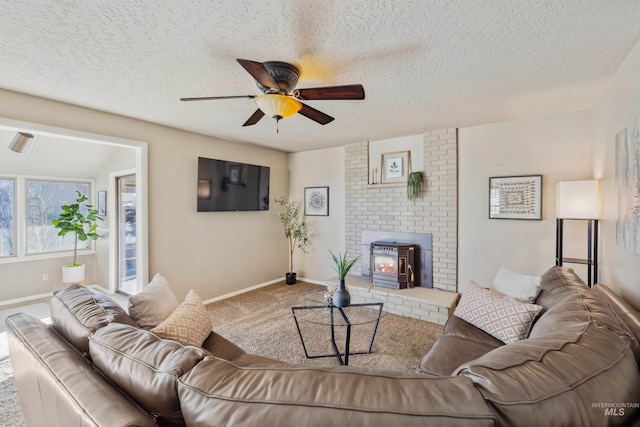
(279, 99)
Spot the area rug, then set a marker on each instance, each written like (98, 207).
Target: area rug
(261, 323)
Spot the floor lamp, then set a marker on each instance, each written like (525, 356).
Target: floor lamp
(579, 200)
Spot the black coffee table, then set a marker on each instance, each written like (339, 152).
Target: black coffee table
(313, 307)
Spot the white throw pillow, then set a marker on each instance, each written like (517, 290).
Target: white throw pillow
(515, 285)
(154, 304)
(503, 317)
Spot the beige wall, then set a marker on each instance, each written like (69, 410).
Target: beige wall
(213, 253)
(319, 168)
(557, 147)
(619, 106)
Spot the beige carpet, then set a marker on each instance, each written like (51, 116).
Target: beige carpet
(261, 323)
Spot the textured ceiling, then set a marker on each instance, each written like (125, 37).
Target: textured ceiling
(424, 64)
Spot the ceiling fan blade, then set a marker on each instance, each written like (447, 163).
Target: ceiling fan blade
(258, 72)
(315, 115)
(209, 98)
(255, 118)
(331, 92)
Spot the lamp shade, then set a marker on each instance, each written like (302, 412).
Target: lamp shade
(21, 142)
(278, 106)
(578, 199)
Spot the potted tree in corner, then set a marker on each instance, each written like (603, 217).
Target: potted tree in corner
(80, 219)
(295, 230)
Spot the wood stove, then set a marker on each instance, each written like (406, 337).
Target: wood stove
(392, 264)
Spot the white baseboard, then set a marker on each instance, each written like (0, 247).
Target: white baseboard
(315, 282)
(25, 299)
(219, 298)
(242, 291)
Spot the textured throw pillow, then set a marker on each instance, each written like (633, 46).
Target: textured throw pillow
(154, 304)
(189, 324)
(501, 316)
(515, 285)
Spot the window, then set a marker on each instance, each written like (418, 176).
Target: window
(44, 201)
(7, 210)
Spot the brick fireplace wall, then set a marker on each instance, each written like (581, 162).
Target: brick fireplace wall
(385, 206)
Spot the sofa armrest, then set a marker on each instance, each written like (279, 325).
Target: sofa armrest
(58, 386)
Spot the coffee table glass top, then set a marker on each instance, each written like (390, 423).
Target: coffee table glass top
(313, 307)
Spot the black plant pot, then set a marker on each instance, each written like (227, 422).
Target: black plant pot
(341, 297)
(290, 278)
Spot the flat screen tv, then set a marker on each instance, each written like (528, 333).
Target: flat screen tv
(225, 186)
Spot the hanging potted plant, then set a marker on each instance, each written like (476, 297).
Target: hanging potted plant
(342, 265)
(80, 219)
(414, 185)
(295, 230)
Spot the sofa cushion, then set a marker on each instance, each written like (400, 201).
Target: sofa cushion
(223, 393)
(556, 284)
(515, 285)
(455, 326)
(58, 386)
(627, 314)
(189, 324)
(155, 303)
(78, 311)
(448, 352)
(561, 374)
(501, 316)
(145, 367)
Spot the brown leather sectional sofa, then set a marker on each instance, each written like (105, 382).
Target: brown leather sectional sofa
(95, 366)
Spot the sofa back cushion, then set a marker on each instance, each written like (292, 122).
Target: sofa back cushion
(562, 374)
(58, 386)
(217, 392)
(145, 367)
(78, 311)
(556, 284)
(627, 314)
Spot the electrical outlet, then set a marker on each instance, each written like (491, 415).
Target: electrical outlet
(45, 276)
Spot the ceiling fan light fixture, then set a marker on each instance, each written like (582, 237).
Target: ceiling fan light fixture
(278, 106)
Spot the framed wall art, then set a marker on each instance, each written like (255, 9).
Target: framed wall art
(316, 201)
(628, 187)
(515, 197)
(395, 167)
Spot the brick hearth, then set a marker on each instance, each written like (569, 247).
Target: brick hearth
(432, 305)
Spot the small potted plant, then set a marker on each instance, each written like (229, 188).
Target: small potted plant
(295, 230)
(80, 219)
(342, 265)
